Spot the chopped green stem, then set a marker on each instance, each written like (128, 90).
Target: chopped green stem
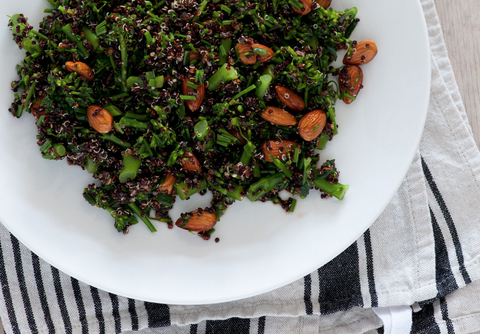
(247, 154)
(184, 192)
(281, 166)
(292, 206)
(139, 117)
(262, 85)
(225, 46)
(243, 92)
(142, 216)
(264, 185)
(337, 190)
(236, 193)
(30, 94)
(113, 110)
(124, 57)
(187, 97)
(322, 141)
(130, 168)
(67, 29)
(222, 75)
(59, 149)
(133, 123)
(91, 37)
(115, 140)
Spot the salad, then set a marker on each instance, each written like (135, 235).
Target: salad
(160, 100)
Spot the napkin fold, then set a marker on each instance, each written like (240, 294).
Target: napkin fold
(423, 251)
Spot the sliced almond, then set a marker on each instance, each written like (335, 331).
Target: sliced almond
(81, 68)
(190, 162)
(312, 124)
(35, 108)
(307, 7)
(99, 119)
(238, 135)
(199, 94)
(278, 116)
(362, 53)
(167, 185)
(290, 99)
(324, 3)
(194, 55)
(198, 222)
(280, 149)
(350, 80)
(248, 55)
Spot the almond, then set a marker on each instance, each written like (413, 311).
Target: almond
(198, 222)
(248, 55)
(167, 185)
(193, 56)
(290, 99)
(362, 53)
(81, 68)
(307, 7)
(350, 79)
(199, 94)
(100, 119)
(238, 135)
(278, 116)
(35, 108)
(279, 149)
(190, 162)
(324, 3)
(312, 124)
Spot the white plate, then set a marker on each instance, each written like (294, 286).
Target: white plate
(261, 247)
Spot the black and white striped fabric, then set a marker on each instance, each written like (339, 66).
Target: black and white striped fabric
(423, 252)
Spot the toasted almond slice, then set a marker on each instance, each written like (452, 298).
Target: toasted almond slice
(307, 7)
(190, 162)
(362, 53)
(324, 3)
(248, 55)
(280, 149)
(167, 185)
(278, 116)
(199, 93)
(81, 68)
(312, 124)
(100, 119)
(290, 99)
(198, 222)
(350, 79)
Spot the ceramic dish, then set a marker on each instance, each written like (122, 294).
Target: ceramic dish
(261, 247)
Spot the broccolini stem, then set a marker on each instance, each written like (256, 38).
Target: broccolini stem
(236, 193)
(337, 190)
(130, 168)
(142, 216)
(322, 141)
(225, 46)
(263, 85)
(53, 3)
(265, 185)
(115, 140)
(67, 29)
(247, 154)
(243, 92)
(183, 191)
(124, 55)
(29, 95)
(91, 37)
(131, 122)
(222, 75)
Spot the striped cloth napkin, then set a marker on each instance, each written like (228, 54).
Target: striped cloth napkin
(423, 253)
